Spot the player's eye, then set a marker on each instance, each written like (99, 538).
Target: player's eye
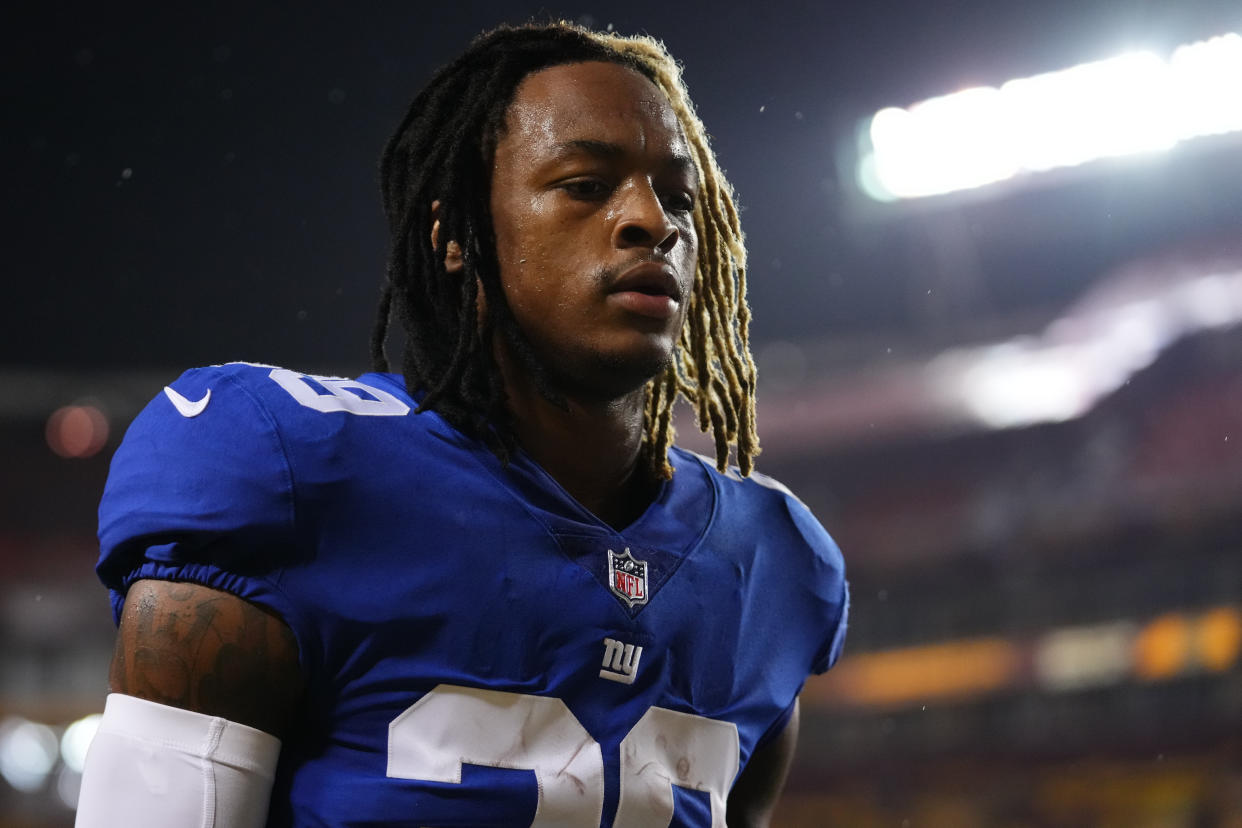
(680, 202)
(586, 189)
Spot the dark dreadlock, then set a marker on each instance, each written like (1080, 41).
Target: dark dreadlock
(442, 152)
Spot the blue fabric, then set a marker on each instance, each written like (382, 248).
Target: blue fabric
(404, 556)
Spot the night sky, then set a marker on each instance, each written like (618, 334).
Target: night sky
(195, 185)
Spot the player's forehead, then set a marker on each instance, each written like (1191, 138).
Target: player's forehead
(558, 105)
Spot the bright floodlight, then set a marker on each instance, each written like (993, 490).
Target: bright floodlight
(27, 753)
(1130, 104)
(77, 739)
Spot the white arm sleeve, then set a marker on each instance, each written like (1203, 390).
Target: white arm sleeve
(151, 764)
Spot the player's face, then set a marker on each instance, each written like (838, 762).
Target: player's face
(593, 190)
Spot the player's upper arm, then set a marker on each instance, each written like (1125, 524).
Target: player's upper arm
(200, 649)
(754, 795)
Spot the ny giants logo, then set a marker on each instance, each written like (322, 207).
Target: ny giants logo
(628, 577)
(620, 661)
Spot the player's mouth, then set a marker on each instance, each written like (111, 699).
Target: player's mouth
(648, 289)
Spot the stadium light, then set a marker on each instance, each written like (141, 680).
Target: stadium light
(1081, 357)
(1056, 660)
(77, 739)
(1131, 104)
(28, 752)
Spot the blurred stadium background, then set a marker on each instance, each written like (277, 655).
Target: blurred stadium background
(997, 282)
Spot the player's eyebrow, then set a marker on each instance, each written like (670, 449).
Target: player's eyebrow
(603, 149)
(679, 161)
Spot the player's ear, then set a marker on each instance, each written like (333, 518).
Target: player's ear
(452, 254)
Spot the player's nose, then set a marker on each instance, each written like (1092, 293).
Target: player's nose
(644, 222)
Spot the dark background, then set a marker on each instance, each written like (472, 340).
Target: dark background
(248, 225)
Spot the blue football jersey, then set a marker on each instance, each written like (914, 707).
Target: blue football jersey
(480, 649)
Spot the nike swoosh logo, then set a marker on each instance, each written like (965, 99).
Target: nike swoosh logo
(185, 407)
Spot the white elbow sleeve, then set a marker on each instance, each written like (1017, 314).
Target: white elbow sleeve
(151, 764)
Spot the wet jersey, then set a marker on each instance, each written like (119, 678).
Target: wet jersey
(479, 648)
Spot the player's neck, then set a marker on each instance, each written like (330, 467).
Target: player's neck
(592, 448)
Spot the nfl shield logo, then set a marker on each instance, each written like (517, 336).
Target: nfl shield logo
(628, 577)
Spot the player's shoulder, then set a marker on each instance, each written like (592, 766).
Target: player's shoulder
(285, 399)
(280, 389)
(759, 502)
(238, 438)
(754, 487)
(265, 416)
(210, 390)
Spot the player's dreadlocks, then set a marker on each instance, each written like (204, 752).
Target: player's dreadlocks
(442, 152)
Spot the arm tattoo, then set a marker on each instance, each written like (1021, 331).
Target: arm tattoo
(200, 649)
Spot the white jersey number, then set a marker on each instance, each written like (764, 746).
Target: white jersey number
(452, 726)
(329, 394)
(668, 748)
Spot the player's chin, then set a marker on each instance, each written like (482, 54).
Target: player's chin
(642, 361)
(607, 369)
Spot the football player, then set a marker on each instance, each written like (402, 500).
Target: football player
(485, 590)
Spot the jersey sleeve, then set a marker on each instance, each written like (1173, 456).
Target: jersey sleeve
(836, 643)
(200, 490)
(832, 591)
